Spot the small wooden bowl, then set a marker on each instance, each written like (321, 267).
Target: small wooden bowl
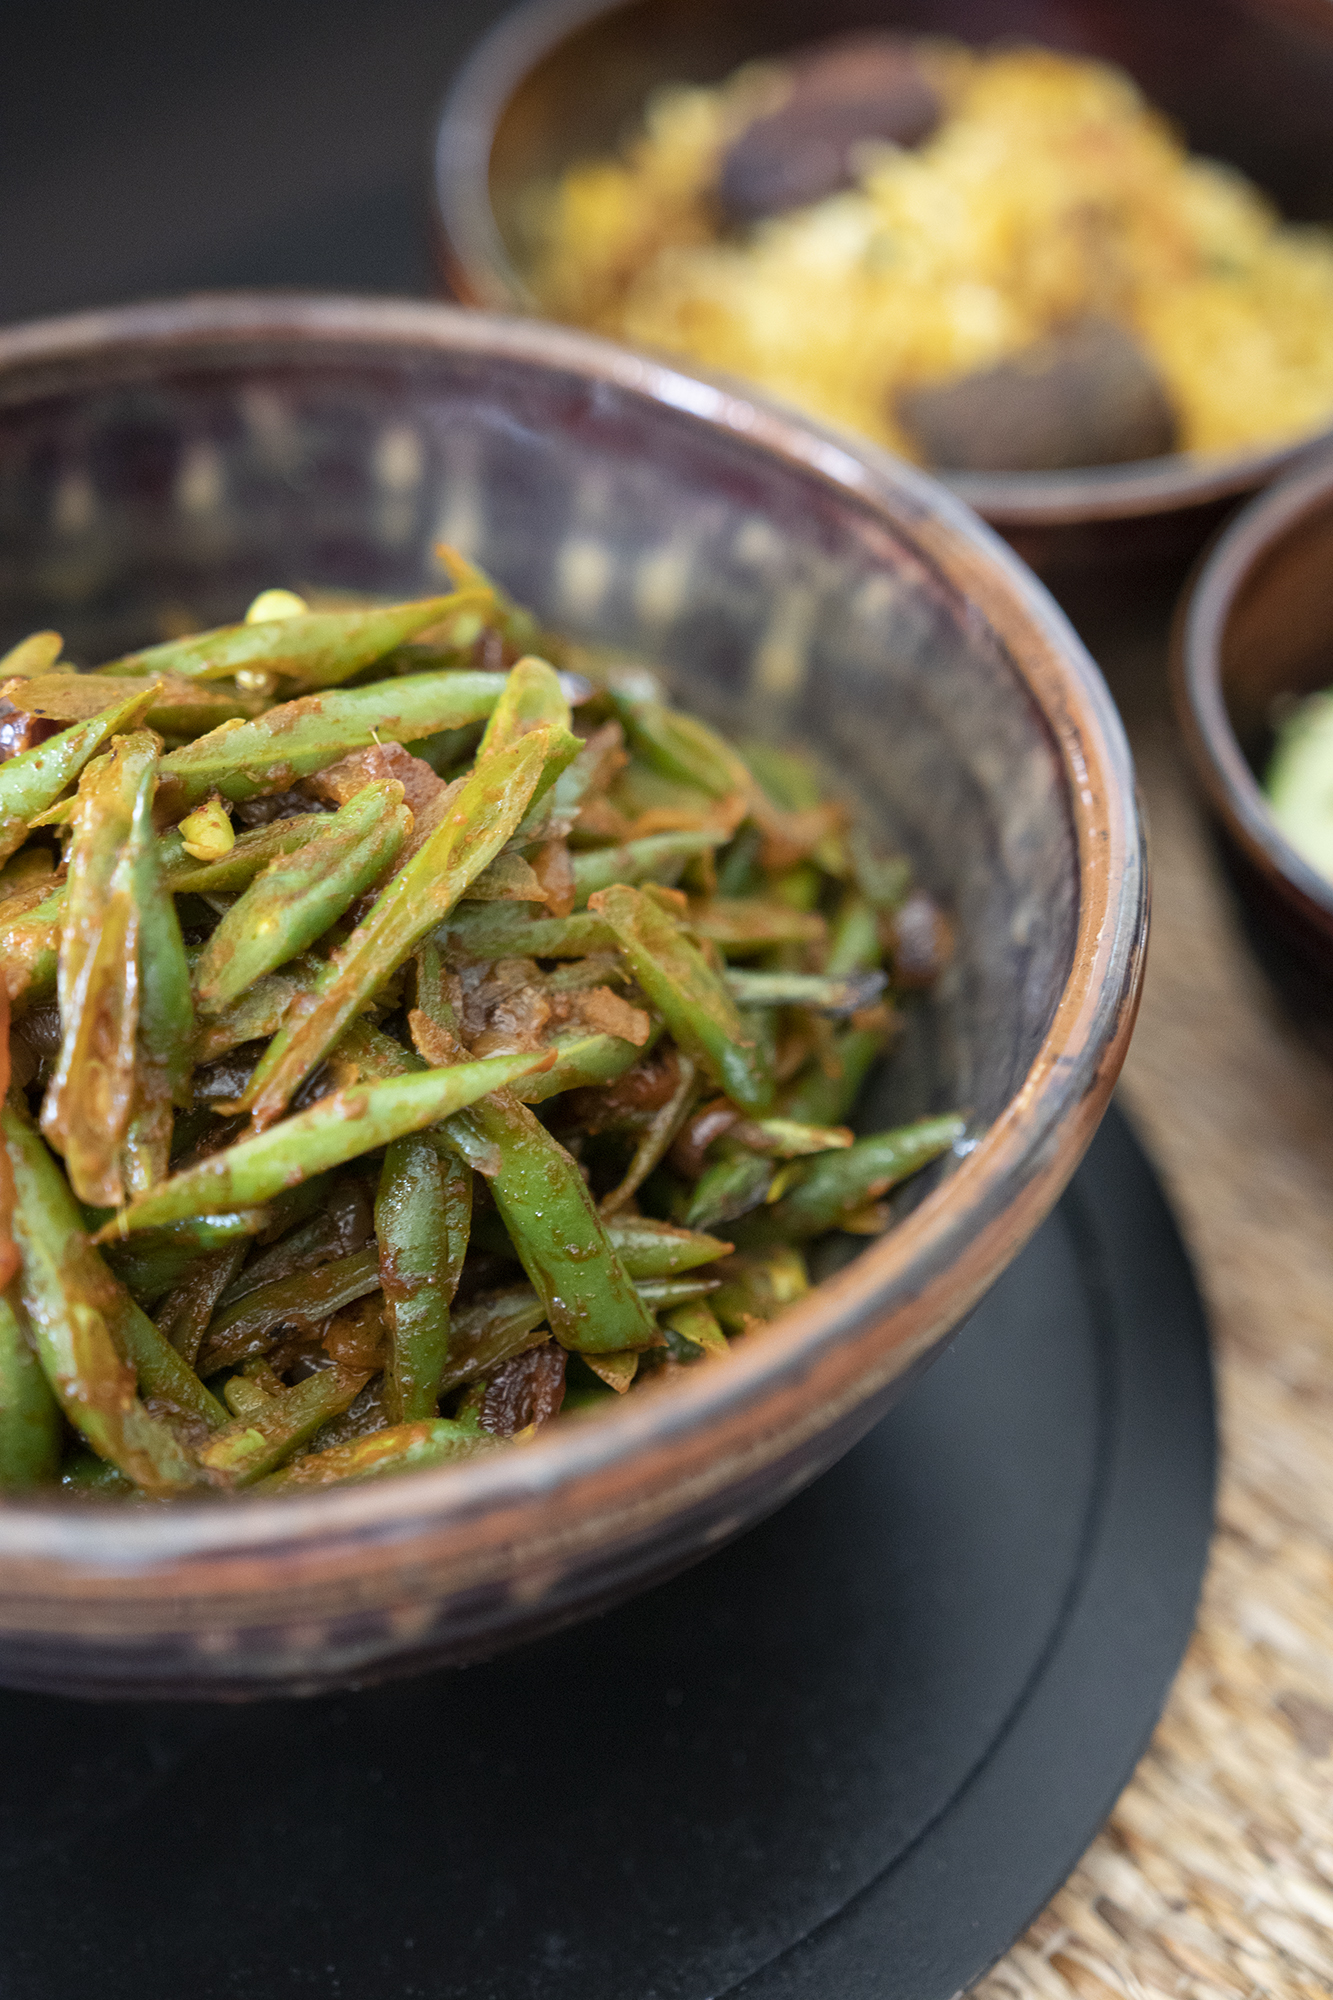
(1249, 81)
(160, 464)
(1257, 625)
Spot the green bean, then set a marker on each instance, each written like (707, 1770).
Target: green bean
(88, 1104)
(787, 1139)
(401, 1448)
(681, 746)
(532, 697)
(581, 1061)
(258, 1013)
(484, 813)
(304, 1299)
(815, 990)
(33, 655)
(651, 1249)
(152, 1264)
(298, 896)
(743, 924)
(65, 1290)
(657, 1137)
(320, 648)
(697, 1325)
(493, 932)
(490, 1330)
(728, 1188)
(244, 760)
(758, 1286)
(29, 1413)
(658, 857)
(30, 951)
(331, 1132)
(89, 1477)
(854, 944)
(186, 1311)
(236, 869)
(689, 995)
(560, 1239)
(165, 1028)
(34, 780)
(177, 707)
(818, 1098)
(258, 1443)
(423, 1214)
(835, 1185)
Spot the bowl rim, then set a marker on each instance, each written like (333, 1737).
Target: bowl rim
(1197, 645)
(830, 1352)
(478, 267)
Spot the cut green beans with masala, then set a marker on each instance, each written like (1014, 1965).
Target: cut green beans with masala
(439, 1033)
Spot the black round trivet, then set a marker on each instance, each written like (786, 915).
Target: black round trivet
(849, 1756)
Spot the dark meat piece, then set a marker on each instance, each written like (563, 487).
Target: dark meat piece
(279, 805)
(843, 93)
(1086, 396)
(527, 1389)
(920, 941)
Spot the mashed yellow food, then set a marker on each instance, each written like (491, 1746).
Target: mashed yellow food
(1050, 191)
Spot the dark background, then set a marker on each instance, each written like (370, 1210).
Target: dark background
(156, 147)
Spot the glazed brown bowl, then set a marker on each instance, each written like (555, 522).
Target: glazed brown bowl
(1255, 631)
(1248, 81)
(160, 464)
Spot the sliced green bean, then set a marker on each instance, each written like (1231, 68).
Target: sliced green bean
(305, 1299)
(835, 1185)
(89, 1101)
(65, 1289)
(177, 707)
(186, 1311)
(758, 1286)
(400, 1448)
(582, 1061)
(423, 1215)
(729, 1188)
(487, 808)
(658, 857)
(165, 1030)
(320, 648)
(532, 697)
(336, 1129)
(30, 1428)
(495, 932)
(31, 782)
(152, 1264)
(689, 995)
(244, 760)
(257, 1444)
(651, 1249)
(742, 924)
(818, 1098)
(30, 951)
(815, 990)
(237, 869)
(298, 896)
(681, 746)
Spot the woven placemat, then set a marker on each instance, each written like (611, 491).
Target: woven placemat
(1214, 1876)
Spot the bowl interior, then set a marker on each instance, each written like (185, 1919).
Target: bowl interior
(142, 494)
(1278, 636)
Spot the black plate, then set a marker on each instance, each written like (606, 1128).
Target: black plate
(851, 1755)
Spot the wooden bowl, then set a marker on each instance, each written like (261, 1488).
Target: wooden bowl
(160, 464)
(1249, 81)
(1257, 626)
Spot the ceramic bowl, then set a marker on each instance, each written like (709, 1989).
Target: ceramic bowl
(1249, 81)
(160, 464)
(1255, 631)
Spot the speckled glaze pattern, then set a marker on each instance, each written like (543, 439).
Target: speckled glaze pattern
(563, 80)
(159, 465)
(1257, 627)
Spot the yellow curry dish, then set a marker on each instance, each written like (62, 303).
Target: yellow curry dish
(985, 260)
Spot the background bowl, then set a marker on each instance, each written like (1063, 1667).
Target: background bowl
(160, 464)
(1256, 626)
(1249, 81)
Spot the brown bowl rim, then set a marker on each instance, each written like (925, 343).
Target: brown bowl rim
(611, 1477)
(479, 270)
(1196, 675)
